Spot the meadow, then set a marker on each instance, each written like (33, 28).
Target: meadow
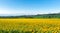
(29, 25)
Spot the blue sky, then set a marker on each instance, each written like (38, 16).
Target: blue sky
(28, 7)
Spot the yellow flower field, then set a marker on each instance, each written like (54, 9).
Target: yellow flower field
(29, 25)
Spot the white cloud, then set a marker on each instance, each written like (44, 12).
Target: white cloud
(7, 12)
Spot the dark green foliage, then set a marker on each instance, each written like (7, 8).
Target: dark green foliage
(14, 31)
(3, 31)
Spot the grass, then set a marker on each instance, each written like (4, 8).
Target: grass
(29, 25)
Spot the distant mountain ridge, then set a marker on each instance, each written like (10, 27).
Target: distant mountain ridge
(54, 15)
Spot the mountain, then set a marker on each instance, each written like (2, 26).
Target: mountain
(54, 15)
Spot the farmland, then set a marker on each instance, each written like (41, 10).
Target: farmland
(29, 25)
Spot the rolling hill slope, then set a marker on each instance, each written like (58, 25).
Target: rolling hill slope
(55, 15)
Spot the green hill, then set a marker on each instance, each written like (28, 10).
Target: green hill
(55, 15)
